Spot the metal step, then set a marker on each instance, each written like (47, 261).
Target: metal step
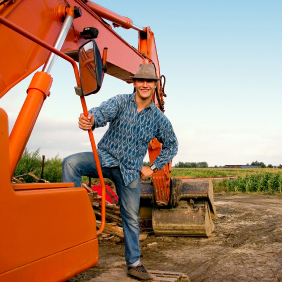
(167, 276)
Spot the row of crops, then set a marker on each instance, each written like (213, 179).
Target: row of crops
(267, 181)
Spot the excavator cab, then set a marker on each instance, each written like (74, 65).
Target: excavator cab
(48, 230)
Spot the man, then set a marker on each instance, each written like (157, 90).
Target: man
(134, 121)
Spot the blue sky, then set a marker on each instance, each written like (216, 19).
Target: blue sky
(223, 65)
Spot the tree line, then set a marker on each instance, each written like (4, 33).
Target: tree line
(205, 165)
(191, 165)
(263, 165)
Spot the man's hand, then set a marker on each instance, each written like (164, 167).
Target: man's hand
(145, 172)
(86, 123)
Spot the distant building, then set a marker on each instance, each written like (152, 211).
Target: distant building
(241, 166)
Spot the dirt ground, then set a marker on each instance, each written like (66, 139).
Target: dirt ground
(245, 246)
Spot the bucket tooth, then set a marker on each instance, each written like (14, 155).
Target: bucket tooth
(198, 189)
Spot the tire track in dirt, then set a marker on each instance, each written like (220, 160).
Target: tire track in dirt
(240, 241)
(246, 246)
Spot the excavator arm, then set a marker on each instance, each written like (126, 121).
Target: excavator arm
(44, 20)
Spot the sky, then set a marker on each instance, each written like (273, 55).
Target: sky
(223, 64)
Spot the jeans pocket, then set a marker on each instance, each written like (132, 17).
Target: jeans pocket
(135, 183)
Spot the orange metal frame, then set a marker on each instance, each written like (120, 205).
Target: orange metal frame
(49, 229)
(37, 93)
(52, 249)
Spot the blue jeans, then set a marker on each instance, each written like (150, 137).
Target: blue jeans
(83, 164)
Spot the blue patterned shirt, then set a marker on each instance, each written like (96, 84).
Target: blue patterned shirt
(126, 141)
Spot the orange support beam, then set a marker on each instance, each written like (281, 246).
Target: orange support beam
(36, 94)
(111, 16)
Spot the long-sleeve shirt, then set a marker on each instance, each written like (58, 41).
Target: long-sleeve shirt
(126, 141)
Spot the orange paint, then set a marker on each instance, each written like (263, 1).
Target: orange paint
(49, 229)
(36, 94)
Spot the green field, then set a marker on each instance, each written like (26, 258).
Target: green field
(220, 172)
(261, 180)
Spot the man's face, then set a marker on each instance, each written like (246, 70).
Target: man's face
(145, 88)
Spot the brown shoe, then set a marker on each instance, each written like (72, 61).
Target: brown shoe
(139, 272)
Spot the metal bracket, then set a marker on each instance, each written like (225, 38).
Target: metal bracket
(78, 91)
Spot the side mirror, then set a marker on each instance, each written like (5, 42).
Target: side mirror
(90, 66)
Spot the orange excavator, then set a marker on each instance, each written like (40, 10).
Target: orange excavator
(49, 229)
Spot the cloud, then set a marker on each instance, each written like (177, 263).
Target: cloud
(219, 144)
(61, 138)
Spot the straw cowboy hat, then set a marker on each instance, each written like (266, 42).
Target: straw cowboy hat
(146, 71)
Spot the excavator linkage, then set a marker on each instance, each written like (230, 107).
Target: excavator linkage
(190, 212)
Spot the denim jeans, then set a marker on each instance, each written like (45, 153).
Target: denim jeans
(83, 164)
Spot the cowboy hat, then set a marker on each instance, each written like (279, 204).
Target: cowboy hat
(146, 71)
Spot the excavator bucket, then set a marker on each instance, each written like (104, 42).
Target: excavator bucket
(190, 212)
